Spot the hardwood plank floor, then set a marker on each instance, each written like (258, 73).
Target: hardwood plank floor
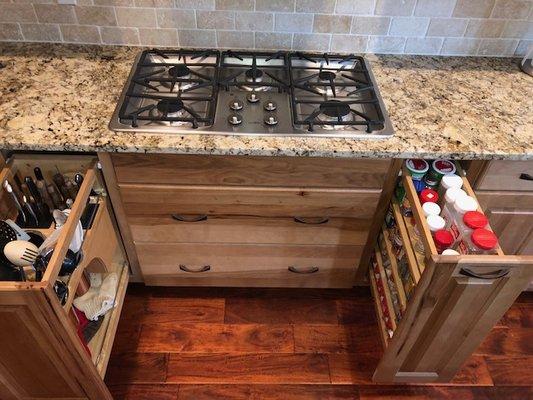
(273, 344)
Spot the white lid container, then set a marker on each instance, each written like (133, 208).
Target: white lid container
(450, 252)
(431, 209)
(435, 222)
(451, 180)
(464, 204)
(453, 194)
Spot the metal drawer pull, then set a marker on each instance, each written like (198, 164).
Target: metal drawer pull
(205, 268)
(189, 218)
(526, 177)
(310, 270)
(489, 275)
(311, 221)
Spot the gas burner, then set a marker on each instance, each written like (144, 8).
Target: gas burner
(179, 71)
(335, 109)
(254, 75)
(169, 106)
(326, 75)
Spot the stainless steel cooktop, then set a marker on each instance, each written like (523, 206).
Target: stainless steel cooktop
(189, 91)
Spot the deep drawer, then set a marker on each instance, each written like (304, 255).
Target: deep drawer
(507, 175)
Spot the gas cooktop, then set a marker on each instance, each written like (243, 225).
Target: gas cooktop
(192, 91)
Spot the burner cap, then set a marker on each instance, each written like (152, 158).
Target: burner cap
(335, 108)
(326, 75)
(169, 106)
(179, 71)
(254, 73)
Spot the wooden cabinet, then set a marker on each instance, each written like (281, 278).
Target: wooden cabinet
(41, 354)
(252, 220)
(451, 302)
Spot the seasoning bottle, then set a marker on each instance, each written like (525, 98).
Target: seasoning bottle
(480, 241)
(417, 168)
(430, 209)
(435, 223)
(450, 252)
(471, 220)
(448, 181)
(443, 240)
(428, 195)
(461, 206)
(439, 168)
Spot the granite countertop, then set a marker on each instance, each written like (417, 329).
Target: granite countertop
(61, 97)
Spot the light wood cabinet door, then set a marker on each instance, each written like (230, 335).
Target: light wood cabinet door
(514, 229)
(455, 305)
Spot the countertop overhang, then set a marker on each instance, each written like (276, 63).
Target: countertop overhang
(60, 98)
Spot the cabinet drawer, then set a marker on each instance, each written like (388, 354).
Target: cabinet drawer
(505, 175)
(271, 202)
(227, 229)
(250, 171)
(176, 264)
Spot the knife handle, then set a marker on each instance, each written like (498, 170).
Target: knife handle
(38, 174)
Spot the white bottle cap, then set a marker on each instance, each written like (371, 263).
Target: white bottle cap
(450, 252)
(453, 194)
(464, 204)
(435, 222)
(431, 208)
(451, 180)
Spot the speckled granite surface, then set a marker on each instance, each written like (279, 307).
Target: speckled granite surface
(58, 97)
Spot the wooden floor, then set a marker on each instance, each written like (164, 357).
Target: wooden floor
(194, 344)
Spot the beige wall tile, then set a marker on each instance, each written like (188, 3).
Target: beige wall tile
(395, 7)
(518, 30)
(114, 2)
(315, 6)
(41, 32)
(235, 40)
(80, 34)
(168, 18)
(484, 28)
(293, 22)
(409, 26)
(245, 5)
(273, 40)
(385, 44)
(460, 46)
(17, 13)
(196, 4)
(312, 42)
(523, 48)
(96, 15)
(415, 45)
(158, 37)
(348, 43)
(55, 13)
(370, 25)
(215, 19)
(197, 38)
(473, 8)
(118, 35)
(497, 47)
(355, 7)
(9, 32)
(325, 23)
(434, 8)
(447, 27)
(515, 9)
(254, 21)
(136, 17)
(154, 3)
(275, 5)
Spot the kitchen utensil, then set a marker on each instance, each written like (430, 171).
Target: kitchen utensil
(21, 252)
(7, 234)
(21, 233)
(22, 214)
(72, 189)
(35, 238)
(55, 196)
(33, 189)
(77, 237)
(59, 180)
(61, 290)
(32, 220)
(70, 262)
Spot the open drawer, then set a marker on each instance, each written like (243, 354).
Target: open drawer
(452, 302)
(32, 311)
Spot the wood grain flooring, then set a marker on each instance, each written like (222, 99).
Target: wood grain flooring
(274, 344)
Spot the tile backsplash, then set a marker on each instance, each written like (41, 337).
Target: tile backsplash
(448, 27)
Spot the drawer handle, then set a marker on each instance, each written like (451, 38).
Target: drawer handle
(500, 273)
(311, 221)
(526, 177)
(310, 270)
(189, 218)
(205, 268)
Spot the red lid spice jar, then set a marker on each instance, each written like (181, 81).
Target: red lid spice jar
(429, 196)
(481, 241)
(475, 220)
(443, 240)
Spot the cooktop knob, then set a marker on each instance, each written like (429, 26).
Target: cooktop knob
(236, 105)
(271, 119)
(234, 119)
(270, 106)
(252, 97)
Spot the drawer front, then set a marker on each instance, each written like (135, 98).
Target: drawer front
(505, 175)
(250, 171)
(227, 229)
(508, 200)
(248, 265)
(272, 202)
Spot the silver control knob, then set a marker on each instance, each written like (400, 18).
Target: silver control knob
(252, 97)
(236, 105)
(271, 119)
(270, 106)
(234, 119)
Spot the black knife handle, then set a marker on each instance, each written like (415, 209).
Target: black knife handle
(526, 177)
(33, 189)
(38, 174)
